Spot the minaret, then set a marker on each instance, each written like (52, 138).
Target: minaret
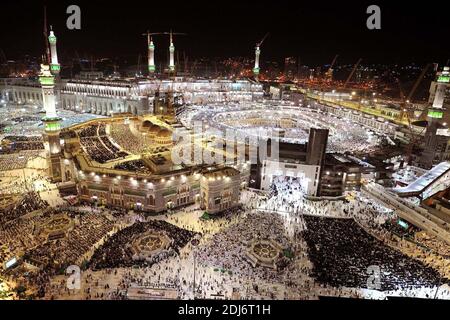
(171, 53)
(151, 54)
(256, 68)
(434, 117)
(54, 65)
(51, 123)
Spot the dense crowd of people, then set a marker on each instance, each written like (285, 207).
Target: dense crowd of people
(98, 145)
(330, 244)
(345, 135)
(341, 253)
(122, 134)
(15, 161)
(135, 166)
(13, 144)
(89, 229)
(29, 202)
(227, 249)
(115, 253)
(21, 239)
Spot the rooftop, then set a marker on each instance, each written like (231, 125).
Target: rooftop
(424, 181)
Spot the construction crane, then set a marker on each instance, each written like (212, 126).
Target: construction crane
(45, 34)
(329, 73)
(77, 56)
(405, 110)
(3, 56)
(259, 44)
(257, 53)
(138, 71)
(351, 73)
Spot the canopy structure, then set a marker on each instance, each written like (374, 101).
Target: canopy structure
(422, 183)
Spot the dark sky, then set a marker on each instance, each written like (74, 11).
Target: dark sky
(313, 30)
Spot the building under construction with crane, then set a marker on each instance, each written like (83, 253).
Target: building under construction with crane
(159, 92)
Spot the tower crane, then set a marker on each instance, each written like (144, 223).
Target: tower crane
(45, 34)
(352, 72)
(257, 53)
(405, 110)
(3, 56)
(329, 73)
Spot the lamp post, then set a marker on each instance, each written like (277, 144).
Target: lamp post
(194, 244)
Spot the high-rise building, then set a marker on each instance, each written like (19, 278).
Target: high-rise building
(290, 67)
(317, 145)
(435, 118)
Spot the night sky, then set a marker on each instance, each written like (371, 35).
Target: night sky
(313, 30)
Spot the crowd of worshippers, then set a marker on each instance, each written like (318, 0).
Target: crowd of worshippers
(25, 119)
(68, 134)
(98, 145)
(342, 252)
(30, 201)
(50, 256)
(15, 161)
(122, 134)
(16, 237)
(228, 248)
(66, 250)
(135, 166)
(116, 252)
(13, 144)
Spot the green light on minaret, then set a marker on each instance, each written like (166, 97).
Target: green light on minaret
(444, 79)
(435, 114)
(52, 125)
(55, 67)
(151, 68)
(256, 70)
(47, 80)
(52, 39)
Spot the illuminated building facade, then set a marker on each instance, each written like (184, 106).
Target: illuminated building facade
(436, 127)
(156, 186)
(106, 97)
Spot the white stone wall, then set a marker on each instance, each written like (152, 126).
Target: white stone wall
(309, 173)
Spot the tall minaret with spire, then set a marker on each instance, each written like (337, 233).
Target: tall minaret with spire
(151, 54)
(256, 68)
(51, 123)
(54, 65)
(171, 54)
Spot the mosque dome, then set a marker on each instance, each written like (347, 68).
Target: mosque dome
(154, 129)
(164, 133)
